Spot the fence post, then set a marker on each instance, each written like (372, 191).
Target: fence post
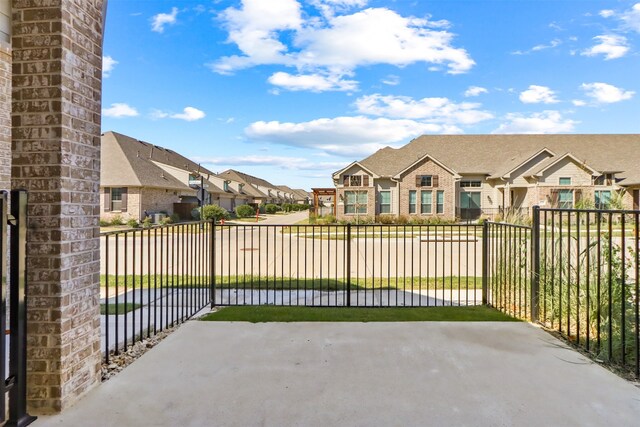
(348, 265)
(212, 264)
(3, 301)
(18, 415)
(485, 262)
(535, 264)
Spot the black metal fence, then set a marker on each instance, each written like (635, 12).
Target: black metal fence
(589, 281)
(13, 229)
(509, 268)
(348, 265)
(574, 271)
(152, 279)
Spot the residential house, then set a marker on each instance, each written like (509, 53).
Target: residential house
(301, 196)
(131, 184)
(268, 193)
(467, 176)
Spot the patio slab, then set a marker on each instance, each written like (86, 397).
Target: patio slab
(358, 374)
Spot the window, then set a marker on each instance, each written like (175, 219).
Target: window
(440, 202)
(116, 199)
(565, 181)
(424, 181)
(470, 184)
(470, 200)
(355, 202)
(602, 199)
(226, 186)
(385, 202)
(565, 199)
(425, 202)
(412, 201)
(606, 179)
(355, 181)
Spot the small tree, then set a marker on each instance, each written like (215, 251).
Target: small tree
(271, 208)
(214, 212)
(245, 211)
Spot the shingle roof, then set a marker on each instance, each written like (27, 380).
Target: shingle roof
(498, 154)
(124, 164)
(240, 176)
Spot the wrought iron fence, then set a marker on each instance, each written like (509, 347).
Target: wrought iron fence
(152, 279)
(348, 265)
(589, 281)
(13, 229)
(509, 260)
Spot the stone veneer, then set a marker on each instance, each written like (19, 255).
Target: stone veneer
(57, 62)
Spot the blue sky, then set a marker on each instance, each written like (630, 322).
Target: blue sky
(293, 90)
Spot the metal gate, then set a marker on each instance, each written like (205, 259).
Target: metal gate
(13, 223)
(372, 265)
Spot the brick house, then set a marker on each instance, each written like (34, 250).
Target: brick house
(469, 176)
(132, 184)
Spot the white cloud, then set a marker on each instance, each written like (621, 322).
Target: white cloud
(118, 110)
(606, 13)
(434, 110)
(159, 21)
(553, 43)
(108, 63)
(610, 45)
(631, 18)
(475, 91)
(391, 80)
(290, 163)
(329, 8)
(579, 102)
(276, 33)
(544, 122)
(344, 135)
(604, 93)
(312, 82)
(538, 94)
(189, 114)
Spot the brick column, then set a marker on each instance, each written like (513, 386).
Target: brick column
(57, 61)
(5, 116)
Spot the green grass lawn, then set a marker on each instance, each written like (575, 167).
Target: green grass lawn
(257, 314)
(122, 308)
(286, 283)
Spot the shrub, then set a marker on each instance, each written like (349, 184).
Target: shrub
(166, 220)
(104, 223)
(271, 209)
(195, 214)
(402, 220)
(385, 219)
(133, 223)
(245, 211)
(117, 220)
(214, 212)
(175, 218)
(147, 222)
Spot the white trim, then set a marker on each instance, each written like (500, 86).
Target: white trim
(336, 175)
(555, 162)
(508, 174)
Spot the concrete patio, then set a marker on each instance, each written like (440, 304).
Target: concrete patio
(358, 374)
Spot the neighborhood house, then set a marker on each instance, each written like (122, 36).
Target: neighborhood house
(139, 179)
(470, 176)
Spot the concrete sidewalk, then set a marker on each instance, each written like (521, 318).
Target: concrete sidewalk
(359, 374)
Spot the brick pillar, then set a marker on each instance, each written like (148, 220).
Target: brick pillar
(57, 61)
(5, 116)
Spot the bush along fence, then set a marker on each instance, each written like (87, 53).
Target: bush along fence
(573, 271)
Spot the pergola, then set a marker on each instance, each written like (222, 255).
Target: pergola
(317, 192)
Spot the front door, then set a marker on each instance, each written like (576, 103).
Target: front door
(470, 205)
